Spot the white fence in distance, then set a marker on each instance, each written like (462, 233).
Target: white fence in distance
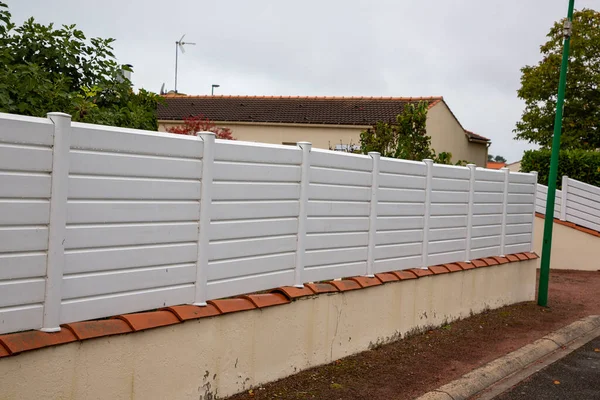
(97, 221)
(581, 207)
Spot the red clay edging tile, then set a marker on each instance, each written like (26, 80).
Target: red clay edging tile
(438, 269)
(465, 265)
(522, 257)
(420, 272)
(478, 263)
(292, 292)
(531, 256)
(501, 260)
(490, 261)
(386, 277)
(187, 312)
(345, 285)
(405, 274)
(453, 267)
(149, 320)
(30, 340)
(512, 257)
(266, 299)
(322, 287)
(3, 352)
(94, 329)
(365, 281)
(232, 305)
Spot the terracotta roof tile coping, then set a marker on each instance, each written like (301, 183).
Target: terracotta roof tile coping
(149, 320)
(93, 329)
(501, 260)
(18, 342)
(478, 263)
(571, 225)
(453, 267)
(531, 256)
(465, 265)
(345, 285)
(404, 275)
(387, 277)
(419, 272)
(490, 261)
(187, 312)
(439, 269)
(522, 257)
(266, 299)
(512, 257)
(318, 288)
(366, 281)
(292, 292)
(226, 306)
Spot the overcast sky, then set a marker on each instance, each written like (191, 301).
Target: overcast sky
(469, 51)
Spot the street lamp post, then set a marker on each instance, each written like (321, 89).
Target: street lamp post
(212, 89)
(549, 218)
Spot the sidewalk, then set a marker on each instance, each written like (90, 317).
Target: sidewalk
(574, 377)
(411, 367)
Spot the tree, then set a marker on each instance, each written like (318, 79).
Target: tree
(43, 69)
(406, 139)
(539, 83)
(498, 159)
(199, 123)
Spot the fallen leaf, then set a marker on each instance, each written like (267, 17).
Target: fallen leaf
(557, 382)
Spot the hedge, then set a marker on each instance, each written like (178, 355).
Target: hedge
(583, 165)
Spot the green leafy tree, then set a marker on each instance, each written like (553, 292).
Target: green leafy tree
(44, 69)
(496, 158)
(539, 85)
(406, 139)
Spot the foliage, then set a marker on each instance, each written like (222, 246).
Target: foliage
(406, 139)
(576, 163)
(496, 158)
(539, 86)
(199, 123)
(43, 69)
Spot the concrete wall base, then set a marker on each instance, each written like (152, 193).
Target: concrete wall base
(216, 357)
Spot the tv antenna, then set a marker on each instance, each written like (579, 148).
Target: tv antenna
(179, 46)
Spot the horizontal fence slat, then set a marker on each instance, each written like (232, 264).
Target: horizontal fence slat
(339, 177)
(398, 237)
(21, 292)
(255, 191)
(337, 208)
(228, 171)
(121, 188)
(335, 256)
(25, 158)
(324, 225)
(316, 241)
(401, 181)
(333, 192)
(225, 269)
(253, 228)
(23, 212)
(22, 265)
(223, 211)
(239, 151)
(89, 212)
(250, 247)
(30, 238)
(23, 185)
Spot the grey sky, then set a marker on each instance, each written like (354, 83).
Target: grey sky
(469, 51)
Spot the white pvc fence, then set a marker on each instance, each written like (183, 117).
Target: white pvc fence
(97, 221)
(582, 205)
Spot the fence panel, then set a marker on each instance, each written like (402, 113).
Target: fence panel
(132, 221)
(338, 215)
(399, 237)
(25, 188)
(448, 214)
(254, 217)
(519, 218)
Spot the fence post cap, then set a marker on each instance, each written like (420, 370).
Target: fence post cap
(58, 114)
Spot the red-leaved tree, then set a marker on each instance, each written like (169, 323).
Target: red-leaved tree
(199, 123)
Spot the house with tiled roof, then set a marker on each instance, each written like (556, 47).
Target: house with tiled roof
(326, 122)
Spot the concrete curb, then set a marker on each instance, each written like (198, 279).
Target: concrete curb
(477, 380)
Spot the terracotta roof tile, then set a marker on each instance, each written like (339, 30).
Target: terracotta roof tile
(345, 285)
(522, 257)
(23, 341)
(387, 277)
(478, 263)
(93, 329)
(453, 267)
(501, 260)
(365, 281)
(420, 272)
(322, 287)
(438, 269)
(3, 351)
(187, 312)
(512, 257)
(490, 261)
(465, 265)
(263, 300)
(531, 256)
(149, 320)
(232, 305)
(473, 135)
(292, 292)
(281, 109)
(405, 274)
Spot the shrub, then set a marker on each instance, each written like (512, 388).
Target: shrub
(583, 165)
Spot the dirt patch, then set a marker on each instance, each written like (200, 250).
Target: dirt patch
(413, 366)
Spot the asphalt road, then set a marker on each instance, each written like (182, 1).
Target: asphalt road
(574, 377)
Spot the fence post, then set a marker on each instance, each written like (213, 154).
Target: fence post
(57, 227)
(470, 209)
(564, 196)
(302, 214)
(534, 206)
(375, 156)
(208, 158)
(428, 184)
(504, 212)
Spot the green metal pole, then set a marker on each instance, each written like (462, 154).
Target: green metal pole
(549, 219)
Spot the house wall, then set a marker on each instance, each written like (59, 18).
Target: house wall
(321, 136)
(448, 135)
(514, 167)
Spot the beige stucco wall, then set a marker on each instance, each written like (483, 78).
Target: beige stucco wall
(230, 353)
(514, 167)
(448, 135)
(571, 249)
(320, 136)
